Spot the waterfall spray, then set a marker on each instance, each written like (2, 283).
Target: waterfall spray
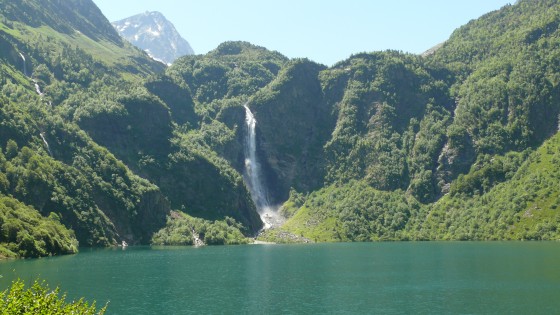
(253, 174)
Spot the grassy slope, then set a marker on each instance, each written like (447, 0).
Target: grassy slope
(542, 212)
(124, 58)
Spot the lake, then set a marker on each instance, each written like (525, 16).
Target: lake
(351, 278)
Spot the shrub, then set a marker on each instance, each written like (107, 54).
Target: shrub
(40, 299)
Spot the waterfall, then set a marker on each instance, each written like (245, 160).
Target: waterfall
(24, 64)
(253, 174)
(46, 143)
(37, 87)
(252, 166)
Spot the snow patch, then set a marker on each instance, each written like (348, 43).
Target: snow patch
(156, 59)
(152, 32)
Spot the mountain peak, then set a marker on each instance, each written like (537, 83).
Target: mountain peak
(153, 33)
(154, 14)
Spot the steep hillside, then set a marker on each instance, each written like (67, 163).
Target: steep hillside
(525, 206)
(43, 32)
(294, 123)
(99, 143)
(217, 85)
(53, 166)
(394, 131)
(501, 198)
(52, 54)
(25, 233)
(412, 125)
(65, 17)
(204, 172)
(80, 88)
(505, 77)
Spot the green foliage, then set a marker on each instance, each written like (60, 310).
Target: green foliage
(294, 202)
(131, 122)
(506, 81)
(201, 181)
(11, 149)
(51, 164)
(523, 207)
(178, 98)
(182, 229)
(383, 145)
(515, 196)
(460, 121)
(384, 97)
(234, 69)
(89, 192)
(487, 172)
(424, 146)
(40, 299)
(25, 233)
(351, 212)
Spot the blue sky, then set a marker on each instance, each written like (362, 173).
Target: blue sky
(325, 31)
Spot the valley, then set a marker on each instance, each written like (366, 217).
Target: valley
(102, 144)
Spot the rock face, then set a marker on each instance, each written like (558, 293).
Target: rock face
(153, 33)
(294, 123)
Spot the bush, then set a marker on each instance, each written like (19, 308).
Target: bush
(39, 299)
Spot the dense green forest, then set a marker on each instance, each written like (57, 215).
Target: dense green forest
(450, 145)
(99, 143)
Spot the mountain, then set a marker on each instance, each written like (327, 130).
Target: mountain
(458, 144)
(70, 93)
(99, 143)
(56, 181)
(153, 33)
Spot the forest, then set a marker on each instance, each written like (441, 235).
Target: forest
(100, 144)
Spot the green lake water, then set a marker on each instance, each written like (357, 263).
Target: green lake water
(352, 278)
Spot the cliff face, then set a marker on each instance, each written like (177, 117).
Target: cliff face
(294, 123)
